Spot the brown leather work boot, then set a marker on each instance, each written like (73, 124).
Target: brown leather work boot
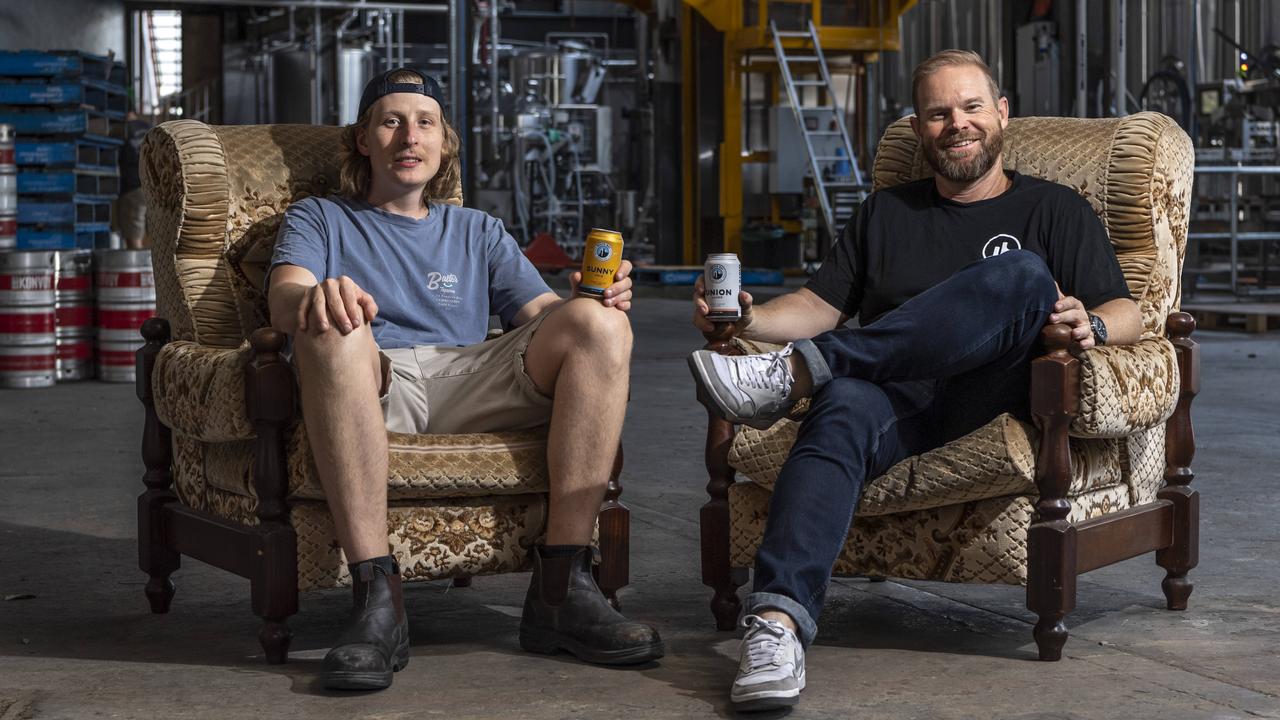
(375, 643)
(565, 610)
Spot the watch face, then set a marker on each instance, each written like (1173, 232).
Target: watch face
(1099, 329)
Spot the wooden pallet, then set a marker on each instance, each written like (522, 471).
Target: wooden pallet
(1249, 317)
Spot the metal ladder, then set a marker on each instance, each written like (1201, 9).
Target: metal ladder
(839, 197)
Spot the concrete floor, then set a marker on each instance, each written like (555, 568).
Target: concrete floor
(86, 646)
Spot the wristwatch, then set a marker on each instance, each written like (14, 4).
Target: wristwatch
(1099, 329)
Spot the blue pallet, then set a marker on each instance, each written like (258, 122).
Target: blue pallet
(65, 239)
(91, 124)
(97, 94)
(72, 212)
(68, 153)
(86, 184)
(688, 275)
(67, 63)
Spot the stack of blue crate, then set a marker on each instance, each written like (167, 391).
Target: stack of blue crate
(68, 112)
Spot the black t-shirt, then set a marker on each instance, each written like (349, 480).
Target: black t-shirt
(908, 238)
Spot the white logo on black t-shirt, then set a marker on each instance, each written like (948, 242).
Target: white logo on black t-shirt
(999, 245)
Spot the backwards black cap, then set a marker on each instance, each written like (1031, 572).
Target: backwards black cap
(381, 85)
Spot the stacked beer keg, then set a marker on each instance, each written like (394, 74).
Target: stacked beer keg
(126, 298)
(27, 326)
(73, 302)
(8, 189)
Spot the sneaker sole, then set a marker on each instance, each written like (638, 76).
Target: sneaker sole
(768, 699)
(545, 642)
(767, 703)
(711, 401)
(344, 680)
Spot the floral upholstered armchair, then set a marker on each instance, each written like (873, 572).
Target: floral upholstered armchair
(1103, 475)
(230, 478)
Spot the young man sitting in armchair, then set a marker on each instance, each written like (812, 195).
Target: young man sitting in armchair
(386, 294)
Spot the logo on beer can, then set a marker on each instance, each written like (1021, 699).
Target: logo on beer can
(717, 273)
(603, 251)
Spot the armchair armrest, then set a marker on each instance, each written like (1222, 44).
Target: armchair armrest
(1126, 388)
(199, 391)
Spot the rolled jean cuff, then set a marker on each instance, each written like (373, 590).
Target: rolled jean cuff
(819, 371)
(758, 602)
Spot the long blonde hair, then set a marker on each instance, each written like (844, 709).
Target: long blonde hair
(355, 169)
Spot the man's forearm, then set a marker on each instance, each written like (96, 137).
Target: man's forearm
(282, 302)
(1123, 321)
(790, 317)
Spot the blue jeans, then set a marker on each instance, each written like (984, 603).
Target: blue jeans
(937, 367)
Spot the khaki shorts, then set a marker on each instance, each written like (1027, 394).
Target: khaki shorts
(478, 388)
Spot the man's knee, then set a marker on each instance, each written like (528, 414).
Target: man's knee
(603, 331)
(1021, 273)
(333, 349)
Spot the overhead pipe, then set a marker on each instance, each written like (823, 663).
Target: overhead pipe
(400, 35)
(1119, 60)
(493, 77)
(1082, 58)
(339, 76)
(440, 9)
(317, 109)
(459, 101)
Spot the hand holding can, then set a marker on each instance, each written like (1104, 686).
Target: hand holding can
(722, 281)
(601, 257)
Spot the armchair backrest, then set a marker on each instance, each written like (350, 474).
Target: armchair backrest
(1135, 171)
(215, 198)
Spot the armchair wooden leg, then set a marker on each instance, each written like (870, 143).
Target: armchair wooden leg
(1051, 583)
(1051, 539)
(1183, 555)
(154, 556)
(274, 582)
(275, 637)
(717, 571)
(1180, 447)
(614, 571)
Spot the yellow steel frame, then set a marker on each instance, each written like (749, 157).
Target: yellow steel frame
(740, 41)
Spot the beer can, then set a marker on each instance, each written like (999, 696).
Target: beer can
(601, 257)
(722, 280)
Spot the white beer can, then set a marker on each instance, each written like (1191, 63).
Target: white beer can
(722, 280)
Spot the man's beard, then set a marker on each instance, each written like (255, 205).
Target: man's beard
(970, 168)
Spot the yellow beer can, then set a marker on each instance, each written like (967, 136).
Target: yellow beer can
(600, 260)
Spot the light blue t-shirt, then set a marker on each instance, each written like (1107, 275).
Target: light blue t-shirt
(436, 280)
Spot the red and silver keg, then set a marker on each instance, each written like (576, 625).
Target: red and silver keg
(126, 298)
(27, 319)
(73, 300)
(8, 190)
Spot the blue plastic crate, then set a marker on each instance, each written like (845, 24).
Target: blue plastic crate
(68, 212)
(69, 238)
(91, 124)
(76, 92)
(64, 63)
(88, 184)
(68, 153)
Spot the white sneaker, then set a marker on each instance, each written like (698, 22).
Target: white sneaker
(771, 671)
(745, 389)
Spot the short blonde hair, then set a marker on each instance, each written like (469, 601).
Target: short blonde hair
(949, 58)
(355, 169)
